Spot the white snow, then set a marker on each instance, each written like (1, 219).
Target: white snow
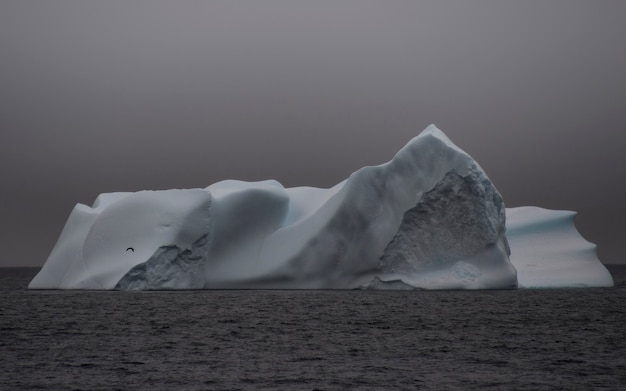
(430, 218)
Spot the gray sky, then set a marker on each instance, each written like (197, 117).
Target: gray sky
(128, 95)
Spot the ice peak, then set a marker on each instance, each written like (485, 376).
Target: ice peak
(433, 131)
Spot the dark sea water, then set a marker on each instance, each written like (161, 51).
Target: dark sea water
(572, 339)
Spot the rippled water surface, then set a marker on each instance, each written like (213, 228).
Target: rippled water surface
(524, 340)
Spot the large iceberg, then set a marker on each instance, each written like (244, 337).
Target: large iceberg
(430, 219)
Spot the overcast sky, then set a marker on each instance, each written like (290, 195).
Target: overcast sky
(128, 95)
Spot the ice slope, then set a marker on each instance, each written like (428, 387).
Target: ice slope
(548, 251)
(430, 218)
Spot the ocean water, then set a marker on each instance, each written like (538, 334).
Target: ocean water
(573, 339)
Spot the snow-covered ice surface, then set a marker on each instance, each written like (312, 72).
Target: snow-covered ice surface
(430, 218)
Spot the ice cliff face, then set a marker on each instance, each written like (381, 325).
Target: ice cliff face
(430, 238)
(170, 267)
(430, 218)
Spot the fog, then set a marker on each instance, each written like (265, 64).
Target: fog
(129, 95)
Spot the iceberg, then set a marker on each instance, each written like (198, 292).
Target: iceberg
(428, 219)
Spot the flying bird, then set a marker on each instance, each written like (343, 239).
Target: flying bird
(131, 249)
